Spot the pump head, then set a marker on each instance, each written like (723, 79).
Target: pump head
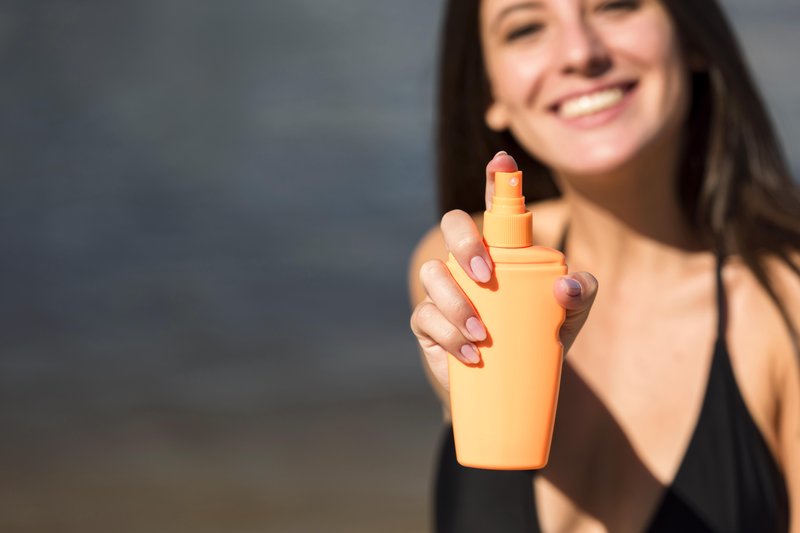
(508, 224)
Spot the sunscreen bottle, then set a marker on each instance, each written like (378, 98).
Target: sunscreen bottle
(504, 407)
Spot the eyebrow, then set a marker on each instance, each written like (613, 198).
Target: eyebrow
(515, 7)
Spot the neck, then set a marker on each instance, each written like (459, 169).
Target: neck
(630, 221)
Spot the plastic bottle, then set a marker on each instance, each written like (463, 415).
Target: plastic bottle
(504, 407)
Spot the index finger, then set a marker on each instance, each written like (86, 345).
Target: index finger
(462, 239)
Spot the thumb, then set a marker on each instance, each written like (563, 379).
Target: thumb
(575, 293)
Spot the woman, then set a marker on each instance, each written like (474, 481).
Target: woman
(653, 164)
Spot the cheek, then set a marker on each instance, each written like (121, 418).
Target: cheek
(516, 78)
(649, 38)
(653, 47)
(649, 35)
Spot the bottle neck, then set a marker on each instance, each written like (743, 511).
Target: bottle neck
(508, 224)
(508, 230)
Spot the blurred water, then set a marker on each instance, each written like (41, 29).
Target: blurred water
(207, 212)
(194, 186)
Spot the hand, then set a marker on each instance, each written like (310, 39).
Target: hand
(446, 322)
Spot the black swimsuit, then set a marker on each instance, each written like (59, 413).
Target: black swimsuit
(728, 480)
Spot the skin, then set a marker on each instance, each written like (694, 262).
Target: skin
(637, 407)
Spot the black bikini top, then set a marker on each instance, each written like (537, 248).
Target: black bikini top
(728, 479)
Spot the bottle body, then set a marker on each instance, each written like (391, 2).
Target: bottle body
(504, 407)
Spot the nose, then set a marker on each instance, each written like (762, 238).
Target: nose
(583, 51)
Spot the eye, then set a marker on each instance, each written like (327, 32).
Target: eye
(522, 31)
(619, 5)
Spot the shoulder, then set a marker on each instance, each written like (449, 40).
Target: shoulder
(750, 297)
(760, 314)
(786, 284)
(761, 326)
(762, 348)
(430, 246)
(786, 372)
(787, 281)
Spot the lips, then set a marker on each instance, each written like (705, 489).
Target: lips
(591, 101)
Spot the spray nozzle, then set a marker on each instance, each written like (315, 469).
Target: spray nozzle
(508, 184)
(508, 224)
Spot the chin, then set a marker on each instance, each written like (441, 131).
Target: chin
(595, 160)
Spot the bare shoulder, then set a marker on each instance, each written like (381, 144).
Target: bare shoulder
(430, 246)
(787, 379)
(786, 282)
(760, 327)
(762, 353)
(747, 293)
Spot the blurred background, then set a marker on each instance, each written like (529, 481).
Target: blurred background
(207, 212)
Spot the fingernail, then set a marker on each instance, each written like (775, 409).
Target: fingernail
(480, 269)
(572, 287)
(470, 353)
(476, 329)
(498, 154)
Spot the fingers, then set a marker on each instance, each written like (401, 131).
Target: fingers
(501, 162)
(446, 318)
(576, 293)
(445, 293)
(463, 240)
(445, 322)
(434, 331)
(460, 233)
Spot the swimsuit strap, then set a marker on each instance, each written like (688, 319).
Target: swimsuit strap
(722, 301)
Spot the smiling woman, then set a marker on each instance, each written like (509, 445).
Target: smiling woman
(640, 131)
(632, 83)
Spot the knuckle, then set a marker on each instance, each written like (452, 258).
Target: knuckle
(451, 337)
(465, 244)
(461, 307)
(425, 312)
(450, 217)
(429, 269)
(414, 320)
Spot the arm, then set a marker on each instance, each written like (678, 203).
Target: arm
(431, 246)
(789, 440)
(787, 379)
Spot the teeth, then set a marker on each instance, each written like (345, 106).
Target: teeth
(590, 103)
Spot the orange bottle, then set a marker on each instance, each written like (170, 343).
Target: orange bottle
(504, 407)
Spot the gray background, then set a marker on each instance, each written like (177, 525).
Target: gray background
(207, 211)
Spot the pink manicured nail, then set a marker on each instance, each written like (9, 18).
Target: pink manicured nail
(476, 329)
(498, 154)
(480, 269)
(470, 353)
(572, 287)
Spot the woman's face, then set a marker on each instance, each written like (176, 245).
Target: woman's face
(585, 85)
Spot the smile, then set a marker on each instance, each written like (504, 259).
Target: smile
(590, 103)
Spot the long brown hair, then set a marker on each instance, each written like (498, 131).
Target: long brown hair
(735, 186)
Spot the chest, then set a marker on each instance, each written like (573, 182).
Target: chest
(632, 392)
